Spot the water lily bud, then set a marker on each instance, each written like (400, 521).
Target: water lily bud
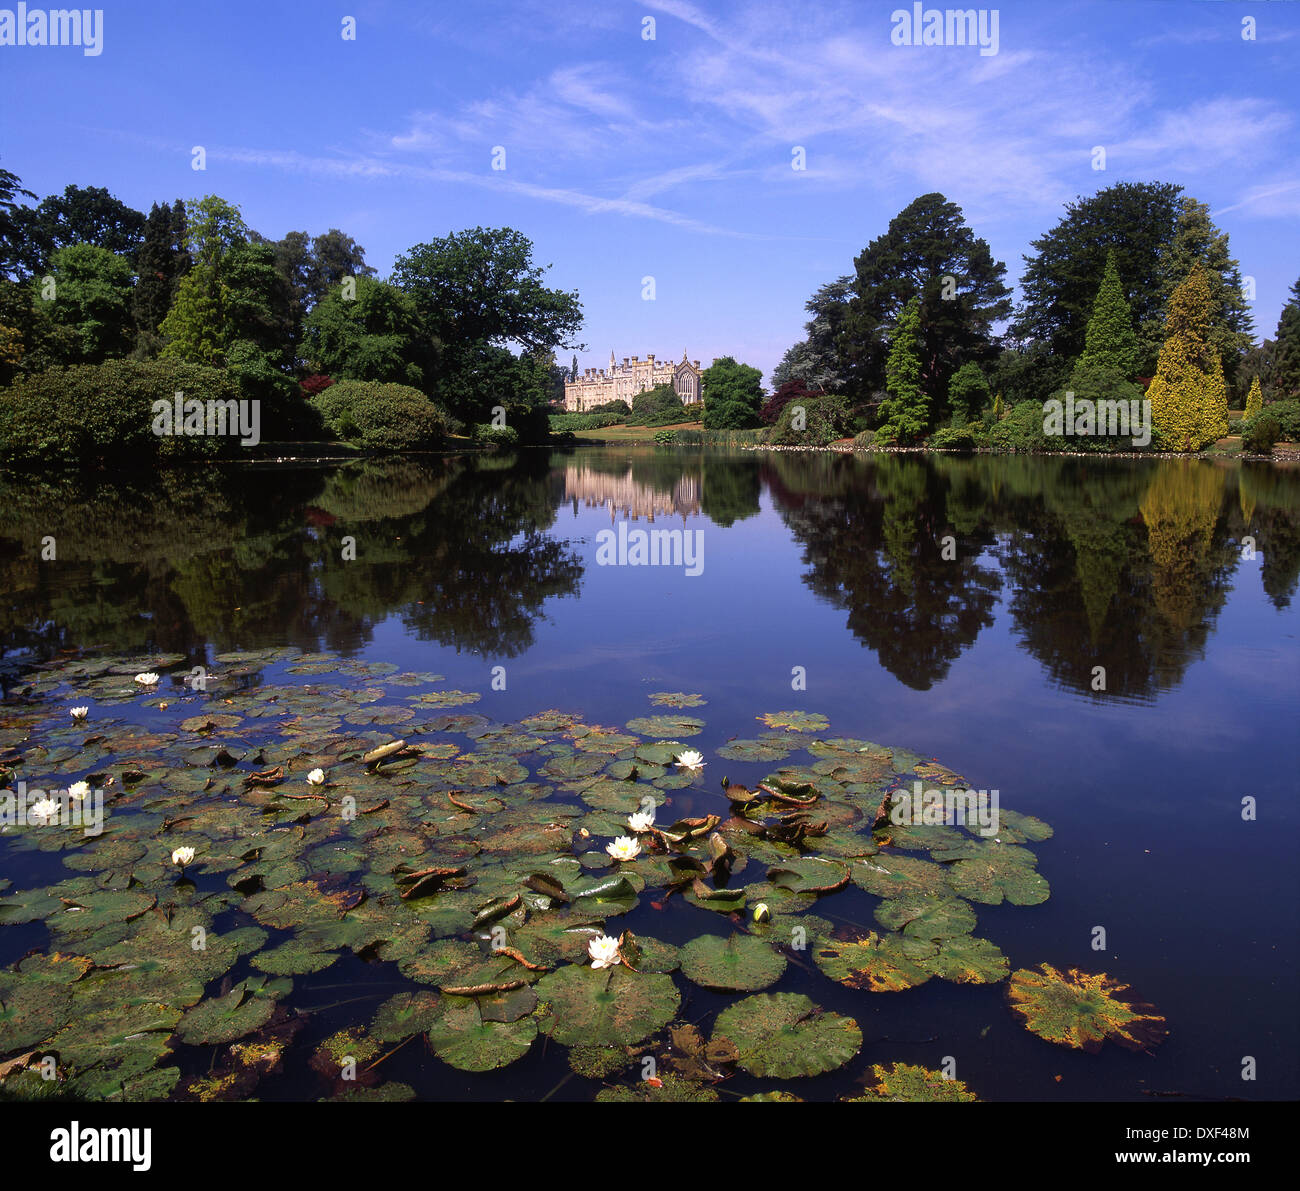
(762, 913)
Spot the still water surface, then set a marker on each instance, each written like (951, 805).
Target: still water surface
(1095, 639)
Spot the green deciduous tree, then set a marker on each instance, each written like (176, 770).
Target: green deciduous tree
(373, 336)
(733, 395)
(968, 394)
(92, 297)
(1189, 398)
(905, 411)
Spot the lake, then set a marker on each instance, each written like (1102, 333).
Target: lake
(1110, 645)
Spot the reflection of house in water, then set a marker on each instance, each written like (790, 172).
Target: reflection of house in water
(635, 499)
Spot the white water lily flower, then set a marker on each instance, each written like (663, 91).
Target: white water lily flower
(183, 856)
(603, 951)
(641, 820)
(78, 713)
(624, 848)
(148, 679)
(43, 811)
(316, 777)
(78, 790)
(690, 759)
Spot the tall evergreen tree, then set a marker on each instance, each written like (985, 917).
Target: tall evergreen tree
(1286, 350)
(905, 411)
(161, 263)
(1136, 220)
(1197, 241)
(1189, 398)
(928, 254)
(815, 359)
(1254, 399)
(1110, 341)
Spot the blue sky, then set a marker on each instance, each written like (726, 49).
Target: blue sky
(671, 158)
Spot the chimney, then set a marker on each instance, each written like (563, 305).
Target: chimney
(624, 361)
(696, 363)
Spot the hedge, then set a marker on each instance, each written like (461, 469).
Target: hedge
(381, 416)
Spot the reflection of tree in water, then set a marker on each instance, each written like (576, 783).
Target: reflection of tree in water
(247, 557)
(875, 549)
(1270, 503)
(1181, 508)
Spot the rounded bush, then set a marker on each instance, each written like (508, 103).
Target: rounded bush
(96, 415)
(379, 416)
(1264, 433)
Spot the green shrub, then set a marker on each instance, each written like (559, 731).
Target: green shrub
(953, 438)
(381, 417)
(863, 439)
(496, 436)
(824, 420)
(1286, 414)
(587, 421)
(665, 437)
(1264, 433)
(1020, 430)
(102, 415)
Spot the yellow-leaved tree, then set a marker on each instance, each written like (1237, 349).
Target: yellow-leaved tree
(1254, 399)
(1189, 397)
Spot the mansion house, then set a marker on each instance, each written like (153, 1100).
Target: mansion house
(595, 386)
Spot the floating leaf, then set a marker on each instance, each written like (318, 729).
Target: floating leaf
(605, 1006)
(965, 959)
(901, 876)
(1081, 1010)
(795, 721)
(905, 1083)
(990, 881)
(462, 1038)
(676, 699)
(665, 725)
(879, 963)
(785, 1035)
(927, 917)
(753, 750)
(739, 963)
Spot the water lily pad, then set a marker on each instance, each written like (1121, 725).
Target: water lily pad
(605, 1006)
(795, 721)
(1081, 1010)
(786, 1035)
(738, 963)
(927, 917)
(676, 699)
(753, 750)
(405, 1014)
(965, 959)
(901, 876)
(671, 1089)
(902, 1082)
(245, 1008)
(447, 698)
(462, 1038)
(991, 881)
(876, 962)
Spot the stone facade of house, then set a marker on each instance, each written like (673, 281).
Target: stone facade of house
(595, 386)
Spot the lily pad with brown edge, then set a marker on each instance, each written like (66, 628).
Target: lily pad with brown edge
(665, 726)
(648, 955)
(405, 1014)
(903, 1082)
(753, 750)
(246, 1007)
(993, 881)
(722, 901)
(462, 1038)
(926, 917)
(786, 1036)
(1082, 1010)
(738, 963)
(604, 1006)
(677, 699)
(900, 876)
(795, 721)
(875, 962)
(671, 1089)
(556, 938)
